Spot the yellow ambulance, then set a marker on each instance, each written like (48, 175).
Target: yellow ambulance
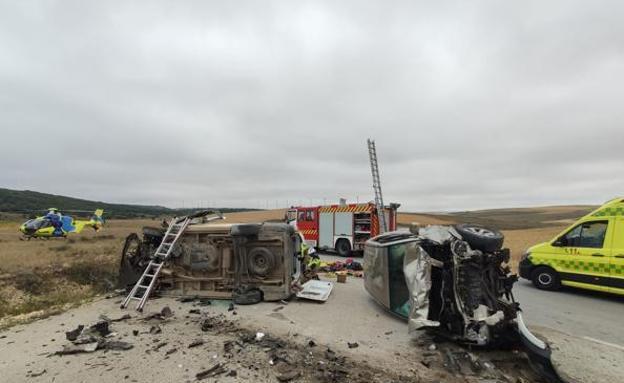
(589, 254)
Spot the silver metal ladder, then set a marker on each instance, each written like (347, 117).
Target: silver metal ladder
(146, 283)
(381, 215)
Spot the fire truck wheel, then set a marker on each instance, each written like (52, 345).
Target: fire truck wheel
(343, 247)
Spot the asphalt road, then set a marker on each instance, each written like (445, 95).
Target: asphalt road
(582, 313)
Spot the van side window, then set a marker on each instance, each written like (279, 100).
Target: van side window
(587, 234)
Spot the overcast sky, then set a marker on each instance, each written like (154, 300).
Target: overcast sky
(244, 104)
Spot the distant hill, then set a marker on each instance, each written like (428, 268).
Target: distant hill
(505, 219)
(29, 202)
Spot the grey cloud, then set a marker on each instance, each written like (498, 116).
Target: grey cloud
(473, 105)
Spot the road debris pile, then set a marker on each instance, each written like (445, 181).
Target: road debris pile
(95, 337)
(483, 366)
(286, 361)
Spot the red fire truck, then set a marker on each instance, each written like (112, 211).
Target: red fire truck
(343, 227)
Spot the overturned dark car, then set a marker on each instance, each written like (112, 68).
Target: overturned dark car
(453, 280)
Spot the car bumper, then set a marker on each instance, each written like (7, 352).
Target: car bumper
(525, 268)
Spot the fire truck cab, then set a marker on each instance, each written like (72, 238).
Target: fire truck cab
(343, 228)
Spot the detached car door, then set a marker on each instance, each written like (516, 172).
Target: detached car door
(582, 255)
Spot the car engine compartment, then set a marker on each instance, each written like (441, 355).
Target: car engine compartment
(471, 290)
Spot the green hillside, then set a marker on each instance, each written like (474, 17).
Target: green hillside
(28, 202)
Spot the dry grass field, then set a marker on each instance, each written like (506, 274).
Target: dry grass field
(41, 276)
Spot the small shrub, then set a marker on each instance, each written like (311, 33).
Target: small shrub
(59, 248)
(31, 282)
(97, 238)
(101, 277)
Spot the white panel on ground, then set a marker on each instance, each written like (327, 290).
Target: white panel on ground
(316, 290)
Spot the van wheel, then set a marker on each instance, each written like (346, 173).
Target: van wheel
(343, 247)
(545, 278)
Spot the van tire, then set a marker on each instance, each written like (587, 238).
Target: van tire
(343, 247)
(545, 278)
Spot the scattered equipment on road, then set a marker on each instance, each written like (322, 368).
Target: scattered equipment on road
(589, 254)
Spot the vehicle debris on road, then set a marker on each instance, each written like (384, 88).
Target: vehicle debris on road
(89, 339)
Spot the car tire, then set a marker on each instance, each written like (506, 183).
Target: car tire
(247, 296)
(246, 230)
(153, 231)
(545, 278)
(343, 247)
(480, 237)
(260, 262)
(131, 264)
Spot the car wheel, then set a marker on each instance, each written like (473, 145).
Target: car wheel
(132, 263)
(480, 237)
(261, 262)
(247, 296)
(343, 247)
(545, 278)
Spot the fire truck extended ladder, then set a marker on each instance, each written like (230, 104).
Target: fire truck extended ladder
(372, 154)
(145, 285)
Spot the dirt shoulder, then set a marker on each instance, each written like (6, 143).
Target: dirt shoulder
(347, 339)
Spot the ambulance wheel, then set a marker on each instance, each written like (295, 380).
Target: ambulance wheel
(343, 247)
(545, 278)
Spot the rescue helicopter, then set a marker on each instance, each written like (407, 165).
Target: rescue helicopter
(56, 225)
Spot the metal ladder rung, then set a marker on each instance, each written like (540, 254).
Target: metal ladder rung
(141, 292)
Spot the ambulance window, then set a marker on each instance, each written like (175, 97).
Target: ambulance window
(587, 234)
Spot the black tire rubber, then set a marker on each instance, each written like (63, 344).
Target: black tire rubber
(260, 262)
(343, 247)
(130, 265)
(126, 252)
(246, 230)
(480, 237)
(249, 296)
(545, 278)
(153, 231)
